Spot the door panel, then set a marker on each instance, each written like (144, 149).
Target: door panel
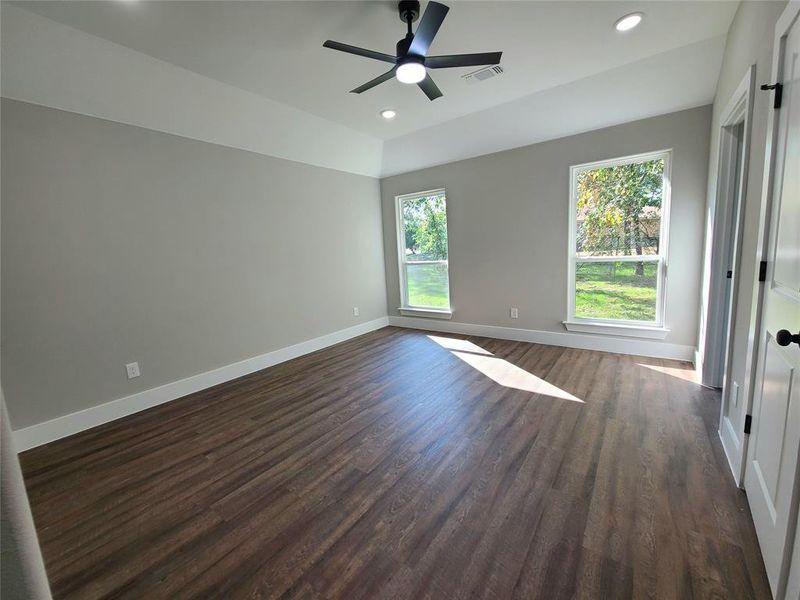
(772, 477)
(771, 436)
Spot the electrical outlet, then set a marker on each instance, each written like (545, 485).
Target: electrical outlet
(355, 311)
(514, 312)
(133, 370)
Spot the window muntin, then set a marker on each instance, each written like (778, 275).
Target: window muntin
(619, 214)
(423, 251)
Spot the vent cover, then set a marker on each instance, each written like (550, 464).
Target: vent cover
(483, 74)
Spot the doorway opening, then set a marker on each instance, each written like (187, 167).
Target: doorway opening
(722, 349)
(730, 206)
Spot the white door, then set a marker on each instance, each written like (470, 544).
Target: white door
(793, 587)
(772, 479)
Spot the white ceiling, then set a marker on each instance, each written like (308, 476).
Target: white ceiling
(274, 49)
(635, 91)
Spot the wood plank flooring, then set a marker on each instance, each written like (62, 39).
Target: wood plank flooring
(402, 464)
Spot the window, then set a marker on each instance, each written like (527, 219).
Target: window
(422, 247)
(619, 213)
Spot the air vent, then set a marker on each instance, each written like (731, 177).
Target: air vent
(483, 74)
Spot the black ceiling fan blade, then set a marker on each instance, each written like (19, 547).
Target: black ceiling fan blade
(428, 26)
(431, 90)
(371, 84)
(360, 51)
(463, 60)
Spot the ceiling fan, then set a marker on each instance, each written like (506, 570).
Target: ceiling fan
(411, 62)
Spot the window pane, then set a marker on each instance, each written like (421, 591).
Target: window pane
(616, 290)
(619, 209)
(425, 224)
(428, 285)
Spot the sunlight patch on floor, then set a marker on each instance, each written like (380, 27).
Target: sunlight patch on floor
(459, 345)
(500, 370)
(686, 374)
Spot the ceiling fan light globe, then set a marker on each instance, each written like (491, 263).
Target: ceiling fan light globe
(411, 72)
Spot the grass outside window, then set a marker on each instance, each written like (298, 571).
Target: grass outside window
(616, 290)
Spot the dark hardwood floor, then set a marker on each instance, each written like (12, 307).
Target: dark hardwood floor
(398, 466)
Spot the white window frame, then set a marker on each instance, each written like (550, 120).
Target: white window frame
(645, 329)
(406, 308)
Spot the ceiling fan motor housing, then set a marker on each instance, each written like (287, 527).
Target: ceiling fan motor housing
(409, 10)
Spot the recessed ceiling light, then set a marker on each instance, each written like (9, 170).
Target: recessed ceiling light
(628, 22)
(388, 114)
(411, 72)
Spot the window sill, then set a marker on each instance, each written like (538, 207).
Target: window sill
(640, 331)
(433, 313)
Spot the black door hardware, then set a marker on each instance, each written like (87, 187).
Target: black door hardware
(778, 93)
(762, 271)
(785, 337)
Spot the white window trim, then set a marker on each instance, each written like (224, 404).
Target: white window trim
(433, 313)
(619, 329)
(645, 329)
(406, 308)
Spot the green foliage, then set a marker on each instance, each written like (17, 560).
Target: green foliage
(613, 209)
(425, 222)
(431, 237)
(412, 223)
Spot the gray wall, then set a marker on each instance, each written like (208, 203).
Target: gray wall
(122, 244)
(508, 223)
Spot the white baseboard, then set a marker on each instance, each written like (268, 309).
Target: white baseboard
(43, 433)
(553, 338)
(730, 445)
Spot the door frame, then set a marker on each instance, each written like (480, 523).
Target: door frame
(755, 349)
(731, 191)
